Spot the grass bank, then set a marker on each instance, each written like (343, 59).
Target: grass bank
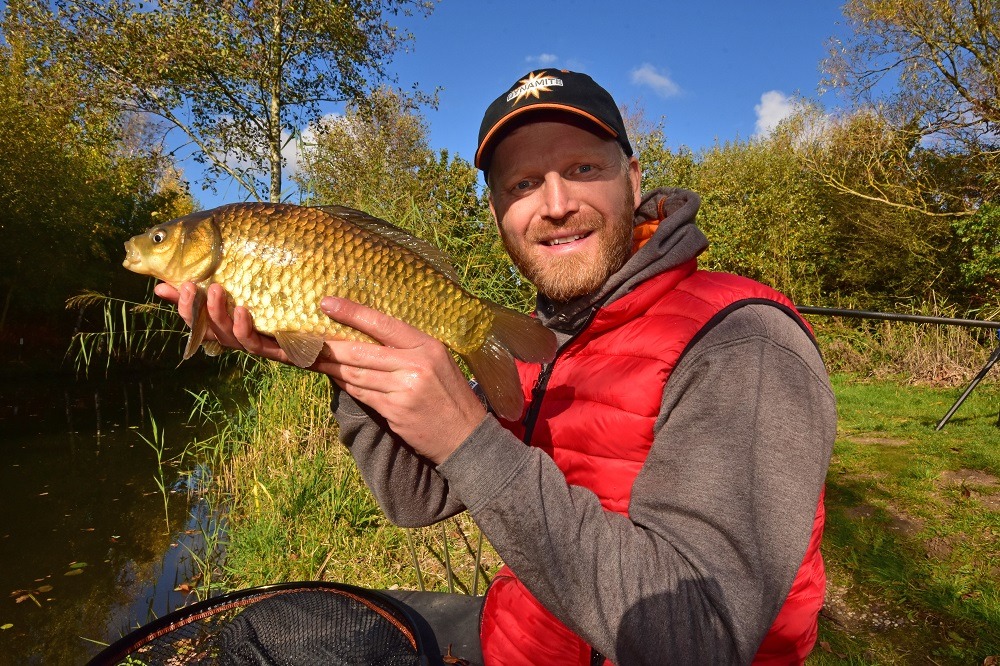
(912, 543)
(297, 508)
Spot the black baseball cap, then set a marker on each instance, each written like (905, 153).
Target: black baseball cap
(553, 90)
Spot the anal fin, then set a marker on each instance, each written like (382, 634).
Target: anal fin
(302, 348)
(211, 347)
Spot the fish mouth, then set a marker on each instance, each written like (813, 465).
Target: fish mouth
(133, 260)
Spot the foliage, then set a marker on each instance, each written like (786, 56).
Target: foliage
(239, 78)
(876, 250)
(929, 71)
(979, 238)
(661, 166)
(373, 149)
(910, 353)
(763, 215)
(299, 510)
(77, 177)
(130, 332)
(770, 212)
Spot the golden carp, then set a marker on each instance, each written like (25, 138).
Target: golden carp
(279, 260)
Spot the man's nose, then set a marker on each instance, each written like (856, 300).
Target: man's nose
(560, 198)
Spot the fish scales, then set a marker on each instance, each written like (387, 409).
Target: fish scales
(279, 260)
(337, 259)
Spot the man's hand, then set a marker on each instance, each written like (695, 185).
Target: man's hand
(235, 332)
(410, 379)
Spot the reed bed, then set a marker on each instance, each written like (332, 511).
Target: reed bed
(297, 508)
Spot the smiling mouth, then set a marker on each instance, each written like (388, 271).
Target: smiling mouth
(565, 239)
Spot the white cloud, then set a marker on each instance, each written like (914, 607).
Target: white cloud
(774, 107)
(542, 59)
(660, 82)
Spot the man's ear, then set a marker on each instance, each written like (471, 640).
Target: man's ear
(635, 175)
(493, 211)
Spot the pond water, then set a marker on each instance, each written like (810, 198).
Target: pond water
(88, 550)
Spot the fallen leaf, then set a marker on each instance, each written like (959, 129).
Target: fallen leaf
(452, 659)
(77, 565)
(826, 646)
(183, 587)
(43, 588)
(6, 626)
(73, 572)
(992, 661)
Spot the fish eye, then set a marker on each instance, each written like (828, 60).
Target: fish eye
(159, 235)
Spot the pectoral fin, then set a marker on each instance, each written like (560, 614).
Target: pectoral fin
(302, 348)
(200, 310)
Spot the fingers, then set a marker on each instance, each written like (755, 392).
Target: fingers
(185, 303)
(166, 292)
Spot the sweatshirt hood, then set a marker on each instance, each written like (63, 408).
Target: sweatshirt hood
(665, 236)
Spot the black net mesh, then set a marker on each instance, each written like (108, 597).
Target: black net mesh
(283, 628)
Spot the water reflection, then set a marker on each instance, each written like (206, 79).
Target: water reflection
(77, 489)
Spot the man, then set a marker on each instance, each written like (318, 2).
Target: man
(669, 506)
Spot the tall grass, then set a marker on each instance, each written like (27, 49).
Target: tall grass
(299, 510)
(130, 331)
(917, 354)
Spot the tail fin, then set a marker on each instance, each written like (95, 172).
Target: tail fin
(513, 335)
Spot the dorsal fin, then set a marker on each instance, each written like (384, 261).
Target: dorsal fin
(401, 237)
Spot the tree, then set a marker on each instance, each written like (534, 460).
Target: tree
(925, 75)
(238, 77)
(373, 151)
(77, 177)
(762, 214)
(661, 166)
(979, 243)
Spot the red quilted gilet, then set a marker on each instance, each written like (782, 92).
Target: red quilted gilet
(596, 422)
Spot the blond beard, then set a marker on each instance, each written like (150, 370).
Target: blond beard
(563, 279)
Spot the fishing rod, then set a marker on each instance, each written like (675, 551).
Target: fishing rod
(922, 319)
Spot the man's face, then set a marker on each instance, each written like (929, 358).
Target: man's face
(564, 200)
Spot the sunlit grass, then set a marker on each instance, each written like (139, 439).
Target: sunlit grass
(912, 543)
(298, 509)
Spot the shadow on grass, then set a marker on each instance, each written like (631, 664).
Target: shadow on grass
(901, 590)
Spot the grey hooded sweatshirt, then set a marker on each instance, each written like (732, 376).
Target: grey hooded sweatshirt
(720, 514)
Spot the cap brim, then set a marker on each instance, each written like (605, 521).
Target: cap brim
(537, 107)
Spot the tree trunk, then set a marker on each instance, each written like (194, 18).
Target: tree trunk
(274, 124)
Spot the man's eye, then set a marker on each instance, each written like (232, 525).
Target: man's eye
(584, 168)
(523, 185)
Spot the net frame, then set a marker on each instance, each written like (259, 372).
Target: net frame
(392, 611)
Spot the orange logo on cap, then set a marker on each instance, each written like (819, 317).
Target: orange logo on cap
(532, 86)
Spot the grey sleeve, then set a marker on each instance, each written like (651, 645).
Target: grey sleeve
(720, 514)
(406, 485)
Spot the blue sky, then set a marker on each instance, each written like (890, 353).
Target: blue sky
(712, 70)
